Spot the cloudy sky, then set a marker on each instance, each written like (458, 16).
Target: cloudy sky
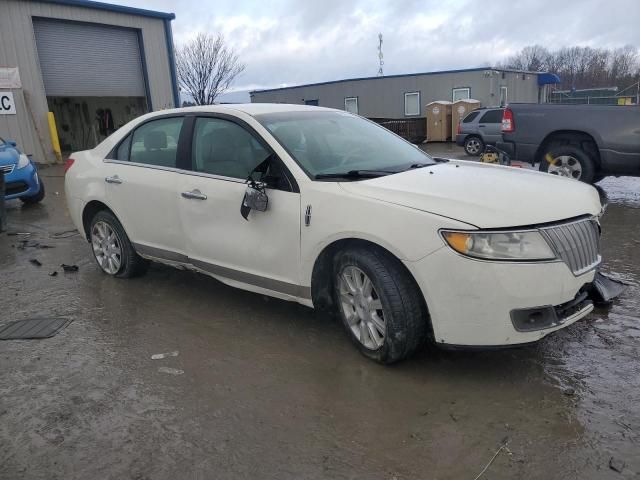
(288, 42)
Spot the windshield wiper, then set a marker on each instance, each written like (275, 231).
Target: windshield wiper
(355, 174)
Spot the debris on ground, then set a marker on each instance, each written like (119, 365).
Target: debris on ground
(616, 465)
(64, 234)
(53, 274)
(36, 262)
(503, 446)
(569, 392)
(23, 244)
(170, 371)
(158, 356)
(69, 268)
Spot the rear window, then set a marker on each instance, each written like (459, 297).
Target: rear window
(492, 116)
(469, 118)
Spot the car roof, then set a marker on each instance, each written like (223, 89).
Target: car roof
(250, 108)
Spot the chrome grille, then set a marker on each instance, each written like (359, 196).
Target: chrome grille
(576, 243)
(6, 169)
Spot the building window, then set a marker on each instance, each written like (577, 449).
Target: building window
(412, 103)
(351, 104)
(503, 96)
(461, 94)
(313, 102)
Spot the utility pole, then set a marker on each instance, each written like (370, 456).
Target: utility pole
(380, 56)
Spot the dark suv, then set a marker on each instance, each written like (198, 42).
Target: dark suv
(481, 127)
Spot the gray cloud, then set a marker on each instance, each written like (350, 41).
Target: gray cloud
(287, 42)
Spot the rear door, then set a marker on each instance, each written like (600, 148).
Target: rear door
(142, 186)
(490, 126)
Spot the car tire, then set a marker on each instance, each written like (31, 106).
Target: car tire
(105, 251)
(393, 304)
(473, 146)
(571, 161)
(37, 198)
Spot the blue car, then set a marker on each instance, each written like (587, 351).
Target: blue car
(20, 174)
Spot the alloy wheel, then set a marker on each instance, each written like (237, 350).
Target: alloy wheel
(473, 147)
(106, 247)
(361, 307)
(566, 166)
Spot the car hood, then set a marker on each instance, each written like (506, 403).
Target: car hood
(483, 195)
(8, 156)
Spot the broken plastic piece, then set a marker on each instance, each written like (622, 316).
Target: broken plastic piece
(69, 268)
(36, 262)
(604, 289)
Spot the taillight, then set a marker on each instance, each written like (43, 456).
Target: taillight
(459, 129)
(67, 164)
(508, 124)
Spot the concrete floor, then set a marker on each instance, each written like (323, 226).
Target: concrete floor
(259, 388)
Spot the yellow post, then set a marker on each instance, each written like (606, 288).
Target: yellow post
(55, 141)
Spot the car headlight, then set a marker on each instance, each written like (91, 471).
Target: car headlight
(507, 246)
(23, 161)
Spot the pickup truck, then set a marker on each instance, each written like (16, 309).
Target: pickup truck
(585, 142)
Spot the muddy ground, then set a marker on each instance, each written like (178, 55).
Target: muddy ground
(259, 388)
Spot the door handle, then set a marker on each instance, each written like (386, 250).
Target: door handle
(115, 179)
(481, 126)
(194, 195)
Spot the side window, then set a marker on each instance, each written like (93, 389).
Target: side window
(469, 118)
(122, 153)
(156, 142)
(492, 116)
(224, 148)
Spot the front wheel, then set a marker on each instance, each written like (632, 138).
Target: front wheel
(568, 161)
(380, 305)
(112, 248)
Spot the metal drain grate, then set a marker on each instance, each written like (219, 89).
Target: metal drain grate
(33, 328)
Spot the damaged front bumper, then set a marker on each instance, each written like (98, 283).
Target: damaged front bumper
(472, 305)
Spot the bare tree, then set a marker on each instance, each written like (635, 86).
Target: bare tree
(581, 67)
(207, 67)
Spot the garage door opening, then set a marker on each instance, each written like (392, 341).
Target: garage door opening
(83, 122)
(94, 78)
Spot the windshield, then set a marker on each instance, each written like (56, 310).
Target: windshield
(333, 143)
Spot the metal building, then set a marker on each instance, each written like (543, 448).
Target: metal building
(94, 65)
(405, 96)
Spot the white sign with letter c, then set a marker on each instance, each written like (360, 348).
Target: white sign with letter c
(7, 105)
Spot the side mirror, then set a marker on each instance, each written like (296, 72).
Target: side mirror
(255, 198)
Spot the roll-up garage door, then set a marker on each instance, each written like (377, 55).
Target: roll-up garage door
(89, 60)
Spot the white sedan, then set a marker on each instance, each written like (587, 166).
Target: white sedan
(328, 209)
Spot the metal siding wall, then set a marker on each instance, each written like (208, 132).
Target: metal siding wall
(384, 97)
(18, 48)
(106, 60)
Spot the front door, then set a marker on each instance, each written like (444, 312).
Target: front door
(259, 253)
(142, 187)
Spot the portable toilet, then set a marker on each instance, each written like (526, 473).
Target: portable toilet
(439, 121)
(460, 109)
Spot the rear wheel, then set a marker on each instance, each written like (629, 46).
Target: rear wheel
(380, 305)
(112, 248)
(568, 161)
(474, 146)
